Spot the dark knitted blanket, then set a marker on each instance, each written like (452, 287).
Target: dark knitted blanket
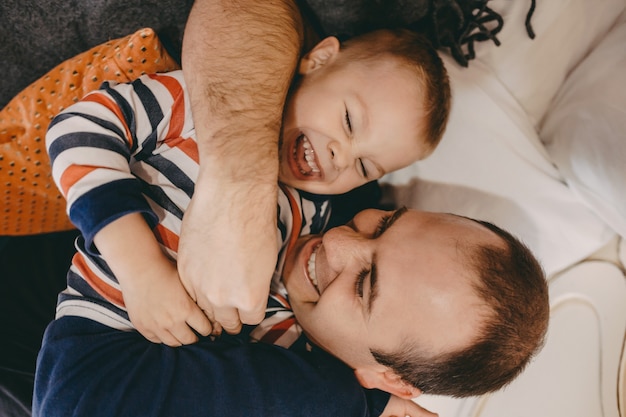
(36, 35)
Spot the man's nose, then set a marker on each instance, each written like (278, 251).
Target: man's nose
(343, 245)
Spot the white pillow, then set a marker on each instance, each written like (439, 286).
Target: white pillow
(533, 70)
(585, 131)
(491, 165)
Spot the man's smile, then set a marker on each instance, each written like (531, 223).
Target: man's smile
(311, 270)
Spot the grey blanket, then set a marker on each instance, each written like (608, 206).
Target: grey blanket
(36, 35)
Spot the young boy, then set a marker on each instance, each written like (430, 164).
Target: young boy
(125, 157)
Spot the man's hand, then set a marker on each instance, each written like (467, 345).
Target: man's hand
(239, 57)
(228, 251)
(398, 407)
(160, 308)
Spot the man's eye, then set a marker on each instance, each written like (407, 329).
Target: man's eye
(348, 122)
(358, 285)
(382, 225)
(363, 170)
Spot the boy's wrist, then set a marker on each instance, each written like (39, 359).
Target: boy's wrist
(129, 257)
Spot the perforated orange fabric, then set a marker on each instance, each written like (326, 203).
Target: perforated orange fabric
(29, 198)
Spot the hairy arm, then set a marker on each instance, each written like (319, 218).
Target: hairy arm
(238, 60)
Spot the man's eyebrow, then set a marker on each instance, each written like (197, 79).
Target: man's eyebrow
(373, 292)
(390, 221)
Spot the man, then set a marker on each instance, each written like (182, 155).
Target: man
(375, 293)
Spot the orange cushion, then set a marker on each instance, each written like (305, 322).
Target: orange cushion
(30, 200)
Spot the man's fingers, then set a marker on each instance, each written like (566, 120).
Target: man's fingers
(217, 329)
(252, 317)
(415, 410)
(228, 318)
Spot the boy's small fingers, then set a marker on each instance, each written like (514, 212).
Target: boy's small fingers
(184, 336)
(200, 322)
(169, 339)
(151, 337)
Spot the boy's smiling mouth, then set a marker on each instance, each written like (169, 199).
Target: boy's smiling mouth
(305, 157)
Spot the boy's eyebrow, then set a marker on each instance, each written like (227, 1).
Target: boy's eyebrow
(373, 292)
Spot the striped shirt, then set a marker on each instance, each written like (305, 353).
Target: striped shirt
(130, 148)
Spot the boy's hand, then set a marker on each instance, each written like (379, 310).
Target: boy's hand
(398, 407)
(157, 303)
(228, 250)
(160, 308)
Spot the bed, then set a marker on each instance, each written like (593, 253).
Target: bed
(536, 144)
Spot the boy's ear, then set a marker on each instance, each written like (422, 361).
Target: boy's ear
(386, 380)
(321, 54)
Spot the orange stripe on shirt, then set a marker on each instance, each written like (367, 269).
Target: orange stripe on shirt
(105, 290)
(177, 118)
(281, 300)
(297, 220)
(278, 330)
(72, 175)
(187, 145)
(190, 148)
(113, 107)
(166, 237)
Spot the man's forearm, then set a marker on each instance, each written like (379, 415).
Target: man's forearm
(238, 59)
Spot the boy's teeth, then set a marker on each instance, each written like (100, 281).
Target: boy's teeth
(311, 268)
(309, 154)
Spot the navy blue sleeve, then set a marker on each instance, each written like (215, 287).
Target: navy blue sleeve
(87, 369)
(376, 401)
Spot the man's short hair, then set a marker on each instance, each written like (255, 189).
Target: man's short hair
(512, 283)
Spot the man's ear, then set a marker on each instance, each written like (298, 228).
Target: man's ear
(322, 54)
(386, 380)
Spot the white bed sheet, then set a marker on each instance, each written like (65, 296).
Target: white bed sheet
(491, 165)
(566, 31)
(585, 130)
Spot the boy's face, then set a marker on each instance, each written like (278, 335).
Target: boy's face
(349, 122)
(385, 279)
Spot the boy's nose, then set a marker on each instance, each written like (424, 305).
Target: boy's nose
(340, 155)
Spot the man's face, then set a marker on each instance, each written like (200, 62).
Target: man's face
(350, 122)
(385, 279)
